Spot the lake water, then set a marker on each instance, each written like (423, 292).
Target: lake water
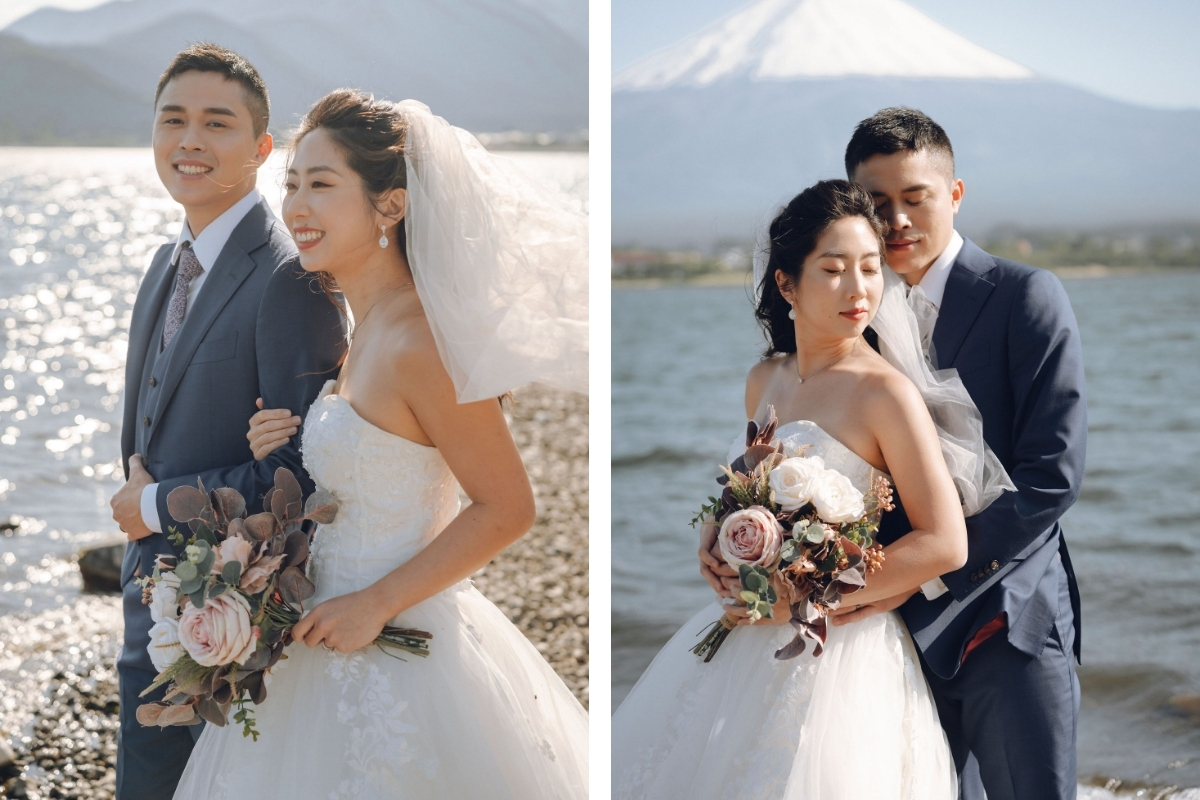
(77, 230)
(679, 360)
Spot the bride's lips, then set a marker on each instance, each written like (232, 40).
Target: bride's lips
(307, 238)
(855, 314)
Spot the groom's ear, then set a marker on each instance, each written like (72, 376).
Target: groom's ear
(266, 145)
(957, 190)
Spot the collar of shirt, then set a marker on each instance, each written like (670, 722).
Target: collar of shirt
(933, 283)
(211, 241)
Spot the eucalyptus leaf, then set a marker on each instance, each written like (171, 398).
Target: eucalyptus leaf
(186, 571)
(321, 507)
(198, 598)
(186, 503)
(205, 533)
(231, 573)
(749, 597)
(192, 586)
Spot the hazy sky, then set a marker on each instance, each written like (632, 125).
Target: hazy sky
(1141, 52)
(12, 10)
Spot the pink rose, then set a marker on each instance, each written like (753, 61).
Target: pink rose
(234, 548)
(751, 536)
(220, 633)
(254, 580)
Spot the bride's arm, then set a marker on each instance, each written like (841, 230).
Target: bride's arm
(475, 441)
(910, 447)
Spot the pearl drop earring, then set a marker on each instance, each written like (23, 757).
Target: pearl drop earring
(792, 313)
(383, 240)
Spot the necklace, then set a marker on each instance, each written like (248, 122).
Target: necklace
(802, 378)
(388, 293)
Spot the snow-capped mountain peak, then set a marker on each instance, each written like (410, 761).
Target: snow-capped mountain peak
(779, 40)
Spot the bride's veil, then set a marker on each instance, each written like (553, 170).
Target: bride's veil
(500, 264)
(978, 474)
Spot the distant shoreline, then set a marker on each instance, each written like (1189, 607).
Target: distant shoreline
(725, 279)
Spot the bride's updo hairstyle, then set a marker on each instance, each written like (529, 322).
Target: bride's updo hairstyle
(370, 135)
(793, 237)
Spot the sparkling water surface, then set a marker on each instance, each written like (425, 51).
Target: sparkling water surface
(78, 227)
(679, 360)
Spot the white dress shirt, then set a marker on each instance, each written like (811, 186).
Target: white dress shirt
(207, 247)
(933, 286)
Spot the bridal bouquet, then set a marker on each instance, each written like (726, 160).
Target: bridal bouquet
(223, 611)
(792, 525)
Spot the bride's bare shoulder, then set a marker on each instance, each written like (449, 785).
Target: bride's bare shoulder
(757, 380)
(886, 392)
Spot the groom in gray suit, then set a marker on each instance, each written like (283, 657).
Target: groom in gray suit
(224, 316)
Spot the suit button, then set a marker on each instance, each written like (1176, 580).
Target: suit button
(154, 382)
(995, 565)
(146, 421)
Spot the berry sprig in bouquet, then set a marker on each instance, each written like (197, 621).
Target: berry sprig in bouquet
(223, 610)
(789, 524)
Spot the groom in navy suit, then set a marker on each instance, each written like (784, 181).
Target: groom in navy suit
(998, 638)
(224, 316)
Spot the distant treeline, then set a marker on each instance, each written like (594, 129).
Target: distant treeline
(1160, 247)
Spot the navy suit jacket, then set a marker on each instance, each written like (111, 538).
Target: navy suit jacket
(1009, 331)
(259, 327)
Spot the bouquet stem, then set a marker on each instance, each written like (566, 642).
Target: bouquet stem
(717, 633)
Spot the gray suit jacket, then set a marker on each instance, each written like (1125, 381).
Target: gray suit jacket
(259, 327)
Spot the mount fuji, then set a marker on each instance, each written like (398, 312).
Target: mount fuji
(711, 135)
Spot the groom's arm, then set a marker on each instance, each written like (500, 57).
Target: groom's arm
(1049, 434)
(299, 341)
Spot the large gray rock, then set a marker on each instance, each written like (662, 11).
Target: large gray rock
(100, 566)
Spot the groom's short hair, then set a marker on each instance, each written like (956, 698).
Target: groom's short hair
(209, 57)
(893, 130)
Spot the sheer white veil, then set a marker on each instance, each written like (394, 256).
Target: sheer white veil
(499, 262)
(978, 474)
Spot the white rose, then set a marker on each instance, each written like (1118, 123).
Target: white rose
(162, 598)
(836, 499)
(793, 480)
(164, 644)
(220, 633)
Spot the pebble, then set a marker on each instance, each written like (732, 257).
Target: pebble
(59, 705)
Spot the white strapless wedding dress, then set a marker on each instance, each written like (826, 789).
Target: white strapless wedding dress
(856, 723)
(483, 716)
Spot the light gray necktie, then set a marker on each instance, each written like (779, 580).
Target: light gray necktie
(926, 313)
(189, 268)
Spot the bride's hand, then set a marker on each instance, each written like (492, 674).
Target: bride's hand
(720, 576)
(781, 612)
(345, 623)
(271, 429)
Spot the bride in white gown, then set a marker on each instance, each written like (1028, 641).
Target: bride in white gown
(460, 293)
(857, 721)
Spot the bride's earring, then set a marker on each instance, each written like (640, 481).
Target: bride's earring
(383, 240)
(792, 312)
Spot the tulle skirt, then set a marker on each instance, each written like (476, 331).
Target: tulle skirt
(483, 715)
(857, 722)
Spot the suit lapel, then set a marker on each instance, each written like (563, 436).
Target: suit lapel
(231, 269)
(966, 291)
(153, 294)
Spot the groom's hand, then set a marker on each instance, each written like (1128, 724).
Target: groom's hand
(127, 502)
(850, 612)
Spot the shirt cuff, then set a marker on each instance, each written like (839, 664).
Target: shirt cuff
(933, 589)
(150, 508)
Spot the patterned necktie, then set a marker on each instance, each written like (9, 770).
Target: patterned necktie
(926, 313)
(189, 268)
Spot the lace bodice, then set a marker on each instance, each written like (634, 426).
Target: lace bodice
(394, 496)
(801, 434)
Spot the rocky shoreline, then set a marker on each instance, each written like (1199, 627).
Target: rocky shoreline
(58, 708)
